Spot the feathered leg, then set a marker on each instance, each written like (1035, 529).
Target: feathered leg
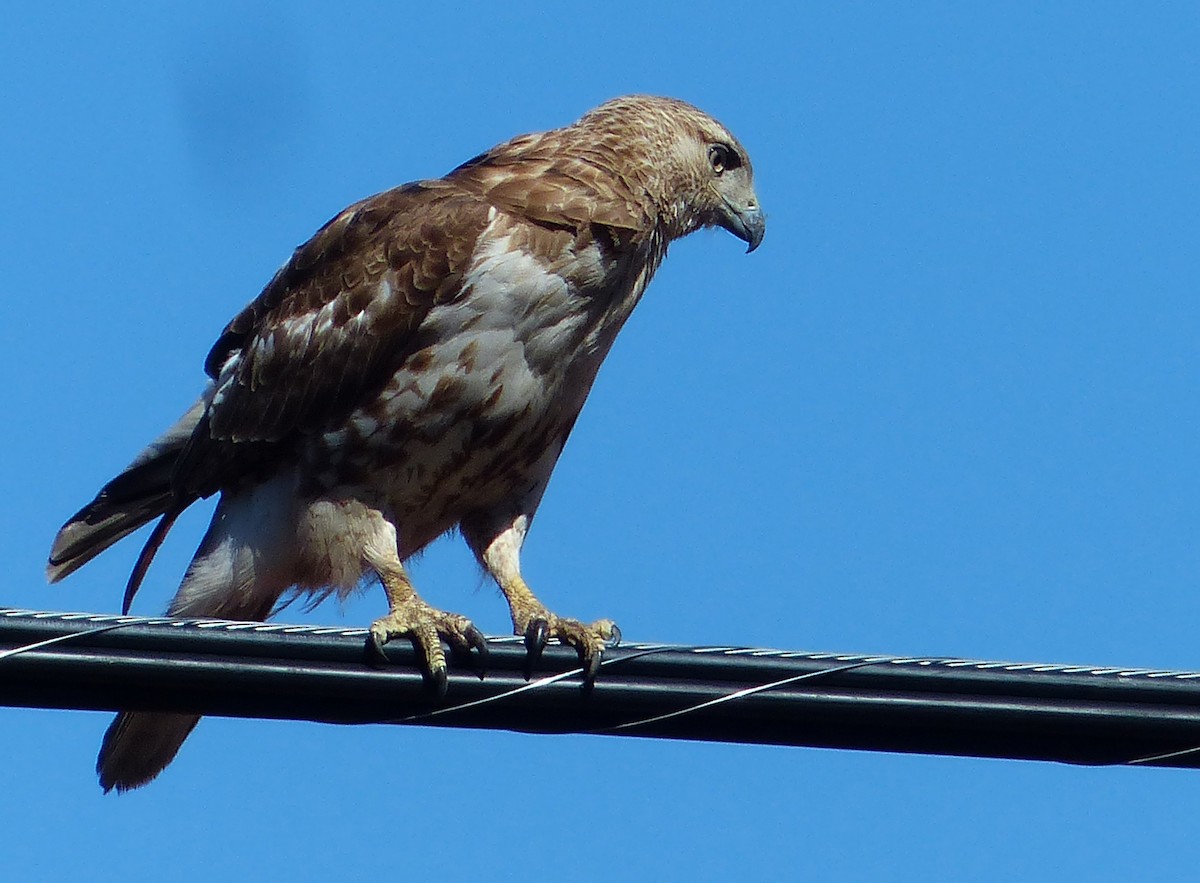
(499, 550)
(410, 616)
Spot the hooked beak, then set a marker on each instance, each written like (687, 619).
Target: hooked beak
(746, 222)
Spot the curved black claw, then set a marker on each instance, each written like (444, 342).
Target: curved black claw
(536, 635)
(476, 641)
(374, 652)
(436, 681)
(591, 668)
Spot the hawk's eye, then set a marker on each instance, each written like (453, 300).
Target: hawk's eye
(722, 157)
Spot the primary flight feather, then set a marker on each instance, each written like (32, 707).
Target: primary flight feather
(416, 367)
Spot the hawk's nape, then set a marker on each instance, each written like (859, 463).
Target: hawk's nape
(416, 367)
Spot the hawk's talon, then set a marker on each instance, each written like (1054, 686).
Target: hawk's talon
(536, 635)
(589, 641)
(614, 639)
(591, 668)
(375, 655)
(437, 682)
(427, 627)
(475, 641)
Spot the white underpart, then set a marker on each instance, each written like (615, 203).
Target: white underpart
(508, 335)
(244, 562)
(520, 319)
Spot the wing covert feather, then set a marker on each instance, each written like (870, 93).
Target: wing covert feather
(536, 178)
(336, 321)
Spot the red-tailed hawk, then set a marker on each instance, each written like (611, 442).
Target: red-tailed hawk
(415, 367)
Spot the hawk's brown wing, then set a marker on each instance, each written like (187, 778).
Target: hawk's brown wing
(331, 328)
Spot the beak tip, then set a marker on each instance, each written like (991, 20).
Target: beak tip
(755, 233)
(747, 224)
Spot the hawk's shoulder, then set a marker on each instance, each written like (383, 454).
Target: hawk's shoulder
(547, 180)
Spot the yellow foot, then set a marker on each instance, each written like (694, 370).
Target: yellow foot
(589, 641)
(426, 626)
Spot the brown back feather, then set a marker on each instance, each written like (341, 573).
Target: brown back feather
(322, 337)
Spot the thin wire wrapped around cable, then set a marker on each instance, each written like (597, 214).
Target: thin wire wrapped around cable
(1076, 714)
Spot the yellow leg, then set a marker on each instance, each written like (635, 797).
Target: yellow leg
(426, 626)
(537, 624)
(530, 618)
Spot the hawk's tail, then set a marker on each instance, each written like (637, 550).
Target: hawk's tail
(137, 496)
(138, 745)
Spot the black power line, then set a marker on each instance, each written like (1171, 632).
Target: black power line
(1076, 714)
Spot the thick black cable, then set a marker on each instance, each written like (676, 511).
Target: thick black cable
(1075, 714)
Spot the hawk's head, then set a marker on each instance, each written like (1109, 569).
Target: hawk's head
(692, 168)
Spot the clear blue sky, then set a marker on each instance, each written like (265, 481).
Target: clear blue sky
(948, 408)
